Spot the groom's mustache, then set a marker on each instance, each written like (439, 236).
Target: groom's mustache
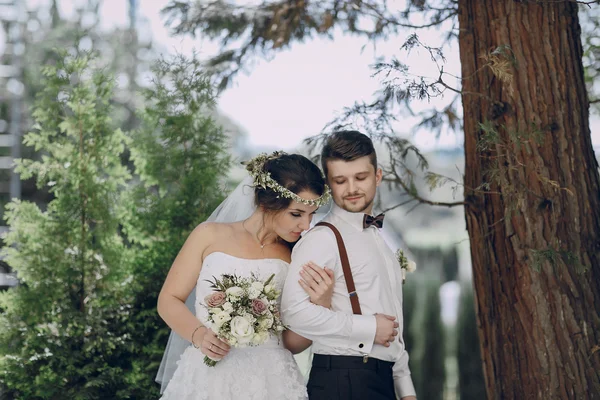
(349, 196)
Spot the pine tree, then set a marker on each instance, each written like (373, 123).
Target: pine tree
(181, 157)
(62, 333)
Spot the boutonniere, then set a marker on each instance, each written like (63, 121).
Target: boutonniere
(405, 264)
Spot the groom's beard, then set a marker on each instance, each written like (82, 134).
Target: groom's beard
(361, 205)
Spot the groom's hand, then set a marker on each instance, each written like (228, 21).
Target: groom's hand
(386, 329)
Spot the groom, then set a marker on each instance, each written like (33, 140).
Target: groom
(358, 347)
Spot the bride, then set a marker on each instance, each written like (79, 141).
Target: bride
(249, 234)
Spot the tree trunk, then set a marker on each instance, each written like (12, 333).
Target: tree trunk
(535, 234)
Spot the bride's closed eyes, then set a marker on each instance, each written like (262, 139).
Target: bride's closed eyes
(299, 214)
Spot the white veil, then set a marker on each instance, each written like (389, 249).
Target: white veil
(238, 206)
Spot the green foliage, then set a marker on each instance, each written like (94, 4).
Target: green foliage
(470, 371)
(590, 26)
(62, 333)
(83, 322)
(426, 341)
(181, 157)
(489, 136)
(554, 258)
(119, 49)
(434, 181)
(539, 257)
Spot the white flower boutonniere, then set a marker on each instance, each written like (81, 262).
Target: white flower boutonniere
(405, 264)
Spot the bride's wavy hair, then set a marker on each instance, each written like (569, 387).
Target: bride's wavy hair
(295, 173)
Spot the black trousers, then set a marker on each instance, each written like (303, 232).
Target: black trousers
(350, 378)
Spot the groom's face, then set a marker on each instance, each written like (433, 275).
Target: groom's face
(353, 183)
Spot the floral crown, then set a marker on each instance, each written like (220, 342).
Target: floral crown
(256, 168)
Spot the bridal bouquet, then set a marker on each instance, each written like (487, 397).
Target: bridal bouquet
(243, 311)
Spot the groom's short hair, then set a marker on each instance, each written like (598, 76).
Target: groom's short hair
(347, 146)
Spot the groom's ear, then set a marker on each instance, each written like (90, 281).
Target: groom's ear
(378, 176)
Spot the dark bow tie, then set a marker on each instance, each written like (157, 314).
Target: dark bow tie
(369, 220)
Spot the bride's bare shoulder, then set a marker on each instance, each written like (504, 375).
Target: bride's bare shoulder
(219, 227)
(213, 236)
(212, 231)
(209, 235)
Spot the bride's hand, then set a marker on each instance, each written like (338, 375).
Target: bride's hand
(318, 283)
(212, 346)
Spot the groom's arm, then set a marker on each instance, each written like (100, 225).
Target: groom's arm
(331, 328)
(403, 384)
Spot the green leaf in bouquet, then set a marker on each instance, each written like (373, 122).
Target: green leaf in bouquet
(268, 281)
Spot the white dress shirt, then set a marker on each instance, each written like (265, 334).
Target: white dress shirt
(378, 281)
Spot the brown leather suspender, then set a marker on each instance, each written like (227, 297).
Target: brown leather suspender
(345, 267)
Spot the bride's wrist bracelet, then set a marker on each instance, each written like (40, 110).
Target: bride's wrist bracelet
(193, 333)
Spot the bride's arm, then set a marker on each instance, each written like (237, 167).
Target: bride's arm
(294, 342)
(179, 283)
(318, 283)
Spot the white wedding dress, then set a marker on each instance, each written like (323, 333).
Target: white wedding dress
(264, 372)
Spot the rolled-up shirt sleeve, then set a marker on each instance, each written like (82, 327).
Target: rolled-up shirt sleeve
(320, 324)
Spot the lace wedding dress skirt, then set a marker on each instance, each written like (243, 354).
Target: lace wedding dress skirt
(264, 372)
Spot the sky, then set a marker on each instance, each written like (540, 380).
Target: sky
(294, 95)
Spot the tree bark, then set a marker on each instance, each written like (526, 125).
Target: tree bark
(535, 237)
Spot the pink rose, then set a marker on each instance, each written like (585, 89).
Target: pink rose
(215, 299)
(259, 307)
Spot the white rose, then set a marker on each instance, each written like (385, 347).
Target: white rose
(215, 310)
(258, 286)
(249, 317)
(227, 306)
(259, 338)
(266, 322)
(235, 291)
(253, 293)
(242, 329)
(220, 318)
(411, 266)
(269, 289)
